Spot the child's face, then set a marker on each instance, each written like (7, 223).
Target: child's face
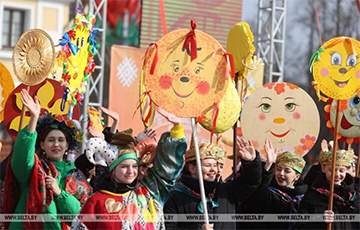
(286, 176)
(340, 173)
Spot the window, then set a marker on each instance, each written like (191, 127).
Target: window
(13, 27)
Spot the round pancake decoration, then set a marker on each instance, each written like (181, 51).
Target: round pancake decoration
(283, 113)
(186, 72)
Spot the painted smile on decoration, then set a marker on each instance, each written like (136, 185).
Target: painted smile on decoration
(283, 113)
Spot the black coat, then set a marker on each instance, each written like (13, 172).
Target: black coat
(228, 195)
(315, 202)
(265, 201)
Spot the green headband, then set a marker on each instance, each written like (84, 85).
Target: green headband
(123, 157)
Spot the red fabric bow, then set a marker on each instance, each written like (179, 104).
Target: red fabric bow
(191, 38)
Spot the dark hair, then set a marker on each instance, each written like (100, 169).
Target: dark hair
(42, 136)
(186, 170)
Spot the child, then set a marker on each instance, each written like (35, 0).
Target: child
(222, 198)
(138, 203)
(346, 194)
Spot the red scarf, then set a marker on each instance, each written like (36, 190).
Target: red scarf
(39, 196)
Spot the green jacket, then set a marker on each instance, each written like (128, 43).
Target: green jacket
(22, 165)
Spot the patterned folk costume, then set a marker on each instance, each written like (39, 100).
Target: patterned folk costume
(25, 188)
(140, 204)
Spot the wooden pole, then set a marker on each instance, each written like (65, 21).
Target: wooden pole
(23, 111)
(198, 165)
(235, 131)
(332, 182)
(358, 161)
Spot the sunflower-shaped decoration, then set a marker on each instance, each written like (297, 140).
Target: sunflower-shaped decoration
(33, 56)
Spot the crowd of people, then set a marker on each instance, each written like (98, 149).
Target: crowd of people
(139, 179)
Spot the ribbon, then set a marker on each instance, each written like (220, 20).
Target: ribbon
(315, 56)
(63, 99)
(93, 47)
(317, 90)
(148, 103)
(70, 112)
(214, 118)
(230, 65)
(191, 38)
(65, 40)
(230, 60)
(342, 39)
(154, 62)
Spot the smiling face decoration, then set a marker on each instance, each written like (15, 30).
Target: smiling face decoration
(349, 126)
(284, 114)
(180, 83)
(336, 67)
(78, 50)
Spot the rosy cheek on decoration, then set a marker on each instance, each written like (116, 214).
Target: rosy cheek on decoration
(357, 74)
(203, 88)
(296, 115)
(262, 116)
(324, 72)
(165, 82)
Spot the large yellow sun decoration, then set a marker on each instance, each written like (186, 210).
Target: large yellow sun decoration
(79, 48)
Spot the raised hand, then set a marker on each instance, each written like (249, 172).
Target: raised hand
(146, 134)
(324, 146)
(95, 133)
(114, 115)
(271, 154)
(169, 116)
(32, 105)
(246, 149)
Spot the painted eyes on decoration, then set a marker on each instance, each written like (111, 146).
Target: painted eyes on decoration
(290, 107)
(265, 107)
(354, 102)
(175, 67)
(335, 59)
(198, 69)
(351, 60)
(80, 42)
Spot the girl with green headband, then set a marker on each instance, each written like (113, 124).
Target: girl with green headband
(136, 203)
(280, 190)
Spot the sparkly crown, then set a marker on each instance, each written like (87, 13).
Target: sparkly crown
(292, 160)
(206, 150)
(343, 157)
